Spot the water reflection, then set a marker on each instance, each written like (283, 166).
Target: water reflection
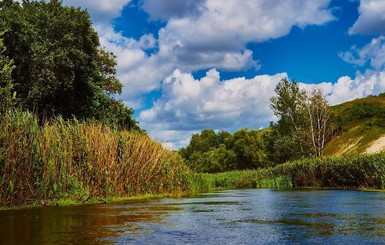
(89, 224)
(226, 217)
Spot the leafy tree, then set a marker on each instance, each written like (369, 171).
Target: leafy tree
(248, 148)
(289, 106)
(303, 126)
(319, 115)
(6, 83)
(218, 152)
(215, 160)
(203, 142)
(207, 152)
(60, 68)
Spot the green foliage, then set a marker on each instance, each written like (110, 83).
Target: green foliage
(361, 111)
(60, 69)
(289, 138)
(212, 152)
(360, 171)
(304, 123)
(6, 83)
(249, 149)
(215, 160)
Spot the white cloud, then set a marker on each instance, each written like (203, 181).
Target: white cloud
(363, 85)
(373, 79)
(371, 19)
(198, 35)
(223, 28)
(374, 52)
(189, 105)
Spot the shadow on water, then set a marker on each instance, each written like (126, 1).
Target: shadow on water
(235, 216)
(88, 224)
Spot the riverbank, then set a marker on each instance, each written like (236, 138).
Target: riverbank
(63, 160)
(361, 172)
(93, 201)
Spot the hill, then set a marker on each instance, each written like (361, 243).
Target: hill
(361, 124)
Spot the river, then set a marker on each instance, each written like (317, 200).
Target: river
(258, 216)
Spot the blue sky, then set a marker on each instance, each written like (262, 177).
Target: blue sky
(187, 65)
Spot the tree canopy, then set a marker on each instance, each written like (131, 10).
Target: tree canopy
(218, 152)
(59, 66)
(6, 84)
(303, 125)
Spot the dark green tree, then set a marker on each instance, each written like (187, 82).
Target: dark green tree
(6, 83)
(289, 136)
(204, 141)
(218, 152)
(207, 152)
(249, 149)
(60, 68)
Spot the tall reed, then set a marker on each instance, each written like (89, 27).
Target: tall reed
(80, 160)
(358, 171)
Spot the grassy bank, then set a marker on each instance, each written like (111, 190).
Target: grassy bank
(80, 161)
(358, 172)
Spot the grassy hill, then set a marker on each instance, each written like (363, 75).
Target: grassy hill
(361, 126)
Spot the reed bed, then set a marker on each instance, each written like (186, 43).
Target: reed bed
(76, 160)
(347, 172)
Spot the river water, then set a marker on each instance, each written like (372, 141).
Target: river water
(258, 216)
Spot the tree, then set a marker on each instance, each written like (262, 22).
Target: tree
(303, 126)
(60, 68)
(248, 148)
(207, 152)
(217, 152)
(289, 106)
(319, 114)
(215, 160)
(6, 83)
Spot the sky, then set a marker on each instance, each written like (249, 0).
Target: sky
(189, 65)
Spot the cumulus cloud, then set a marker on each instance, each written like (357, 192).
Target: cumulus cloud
(198, 35)
(374, 53)
(223, 28)
(188, 104)
(371, 19)
(346, 88)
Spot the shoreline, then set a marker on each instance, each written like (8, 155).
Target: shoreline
(147, 197)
